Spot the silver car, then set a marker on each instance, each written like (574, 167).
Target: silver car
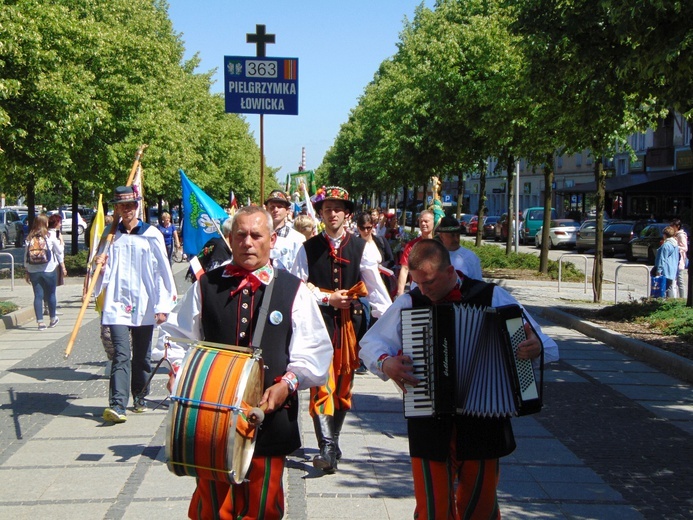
(587, 236)
(562, 233)
(11, 228)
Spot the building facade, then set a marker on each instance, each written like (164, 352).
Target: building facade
(655, 183)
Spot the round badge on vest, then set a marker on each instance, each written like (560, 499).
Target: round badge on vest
(276, 317)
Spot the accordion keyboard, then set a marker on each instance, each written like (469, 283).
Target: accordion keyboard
(416, 330)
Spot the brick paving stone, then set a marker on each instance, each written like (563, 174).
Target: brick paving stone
(647, 459)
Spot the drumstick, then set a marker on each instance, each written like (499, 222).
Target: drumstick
(257, 414)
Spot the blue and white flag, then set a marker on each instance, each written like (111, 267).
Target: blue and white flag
(202, 217)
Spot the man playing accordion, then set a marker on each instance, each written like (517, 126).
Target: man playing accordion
(455, 458)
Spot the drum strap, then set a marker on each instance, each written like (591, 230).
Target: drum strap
(262, 316)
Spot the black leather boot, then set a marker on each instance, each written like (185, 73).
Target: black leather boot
(324, 431)
(339, 416)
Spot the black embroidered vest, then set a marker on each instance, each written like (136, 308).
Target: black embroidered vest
(327, 273)
(233, 321)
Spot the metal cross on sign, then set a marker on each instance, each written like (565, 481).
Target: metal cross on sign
(260, 39)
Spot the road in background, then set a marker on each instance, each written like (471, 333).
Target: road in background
(633, 277)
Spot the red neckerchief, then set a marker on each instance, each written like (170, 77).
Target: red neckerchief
(248, 278)
(455, 295)
(333, 251)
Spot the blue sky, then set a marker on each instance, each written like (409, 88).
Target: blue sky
(339, 46)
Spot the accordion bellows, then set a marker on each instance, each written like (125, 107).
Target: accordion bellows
(464, 358)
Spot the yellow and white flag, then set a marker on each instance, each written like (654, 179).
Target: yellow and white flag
(97, 228)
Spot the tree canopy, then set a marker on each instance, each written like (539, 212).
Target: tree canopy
(83, 83)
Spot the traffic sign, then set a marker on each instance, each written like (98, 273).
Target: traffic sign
(261, 85)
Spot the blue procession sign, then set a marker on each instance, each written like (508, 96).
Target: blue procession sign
(261, 85)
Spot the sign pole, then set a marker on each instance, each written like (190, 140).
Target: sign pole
(262, 158)
(261, 39)
(261, 85)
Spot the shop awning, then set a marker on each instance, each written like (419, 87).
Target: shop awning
(653, 182)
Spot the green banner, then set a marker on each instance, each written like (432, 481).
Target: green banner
(294, 181)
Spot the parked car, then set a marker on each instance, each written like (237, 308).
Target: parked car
(502, 228)
(532, 220)
(25, 224)
(645, 245)
(473, 225)
(489, 230)
(464, 221)
(11, 229)
(587, 235)
(619, 233)
(562, 233)
(66, 226)
(87, 214)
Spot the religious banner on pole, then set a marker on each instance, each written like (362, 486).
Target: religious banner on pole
(307, 177)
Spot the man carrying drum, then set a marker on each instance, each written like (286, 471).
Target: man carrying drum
(223, 307)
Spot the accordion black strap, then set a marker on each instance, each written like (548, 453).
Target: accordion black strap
(473, 291)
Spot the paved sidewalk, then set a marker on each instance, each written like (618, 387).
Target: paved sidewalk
(613, 440)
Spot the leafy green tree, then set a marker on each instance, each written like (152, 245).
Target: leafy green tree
(86, 82)
(572, 50)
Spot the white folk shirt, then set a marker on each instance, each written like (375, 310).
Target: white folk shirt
(310, 348)
(466, 262)
(137, 278)
(378, 296)
(285, 249)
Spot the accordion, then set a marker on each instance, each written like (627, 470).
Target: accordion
(464, 358)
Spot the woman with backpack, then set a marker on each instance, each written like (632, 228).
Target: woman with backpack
(43, 255)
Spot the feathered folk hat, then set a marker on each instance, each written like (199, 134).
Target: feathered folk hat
(335, 193)
(278, 196)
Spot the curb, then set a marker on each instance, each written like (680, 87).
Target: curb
(17, 318)
(671, 364)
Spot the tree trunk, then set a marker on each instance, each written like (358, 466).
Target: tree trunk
(598, 270)
(482, 208)
(689, 297)
(510, 168)
(460, 194)
(31, 198)
(548, 183)
(405, 197)
(75, 230)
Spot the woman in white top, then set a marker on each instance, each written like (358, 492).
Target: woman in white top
(43, 255)
(381, 251)
(55, 222)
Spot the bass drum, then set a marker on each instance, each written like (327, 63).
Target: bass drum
(208, 434)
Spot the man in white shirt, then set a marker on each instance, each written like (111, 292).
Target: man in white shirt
(229, 305)
(139, 293)
(289, 240)
(463, 259)
(455, 459)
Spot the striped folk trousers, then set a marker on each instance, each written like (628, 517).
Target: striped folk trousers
(456, 490)
(260, 497)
